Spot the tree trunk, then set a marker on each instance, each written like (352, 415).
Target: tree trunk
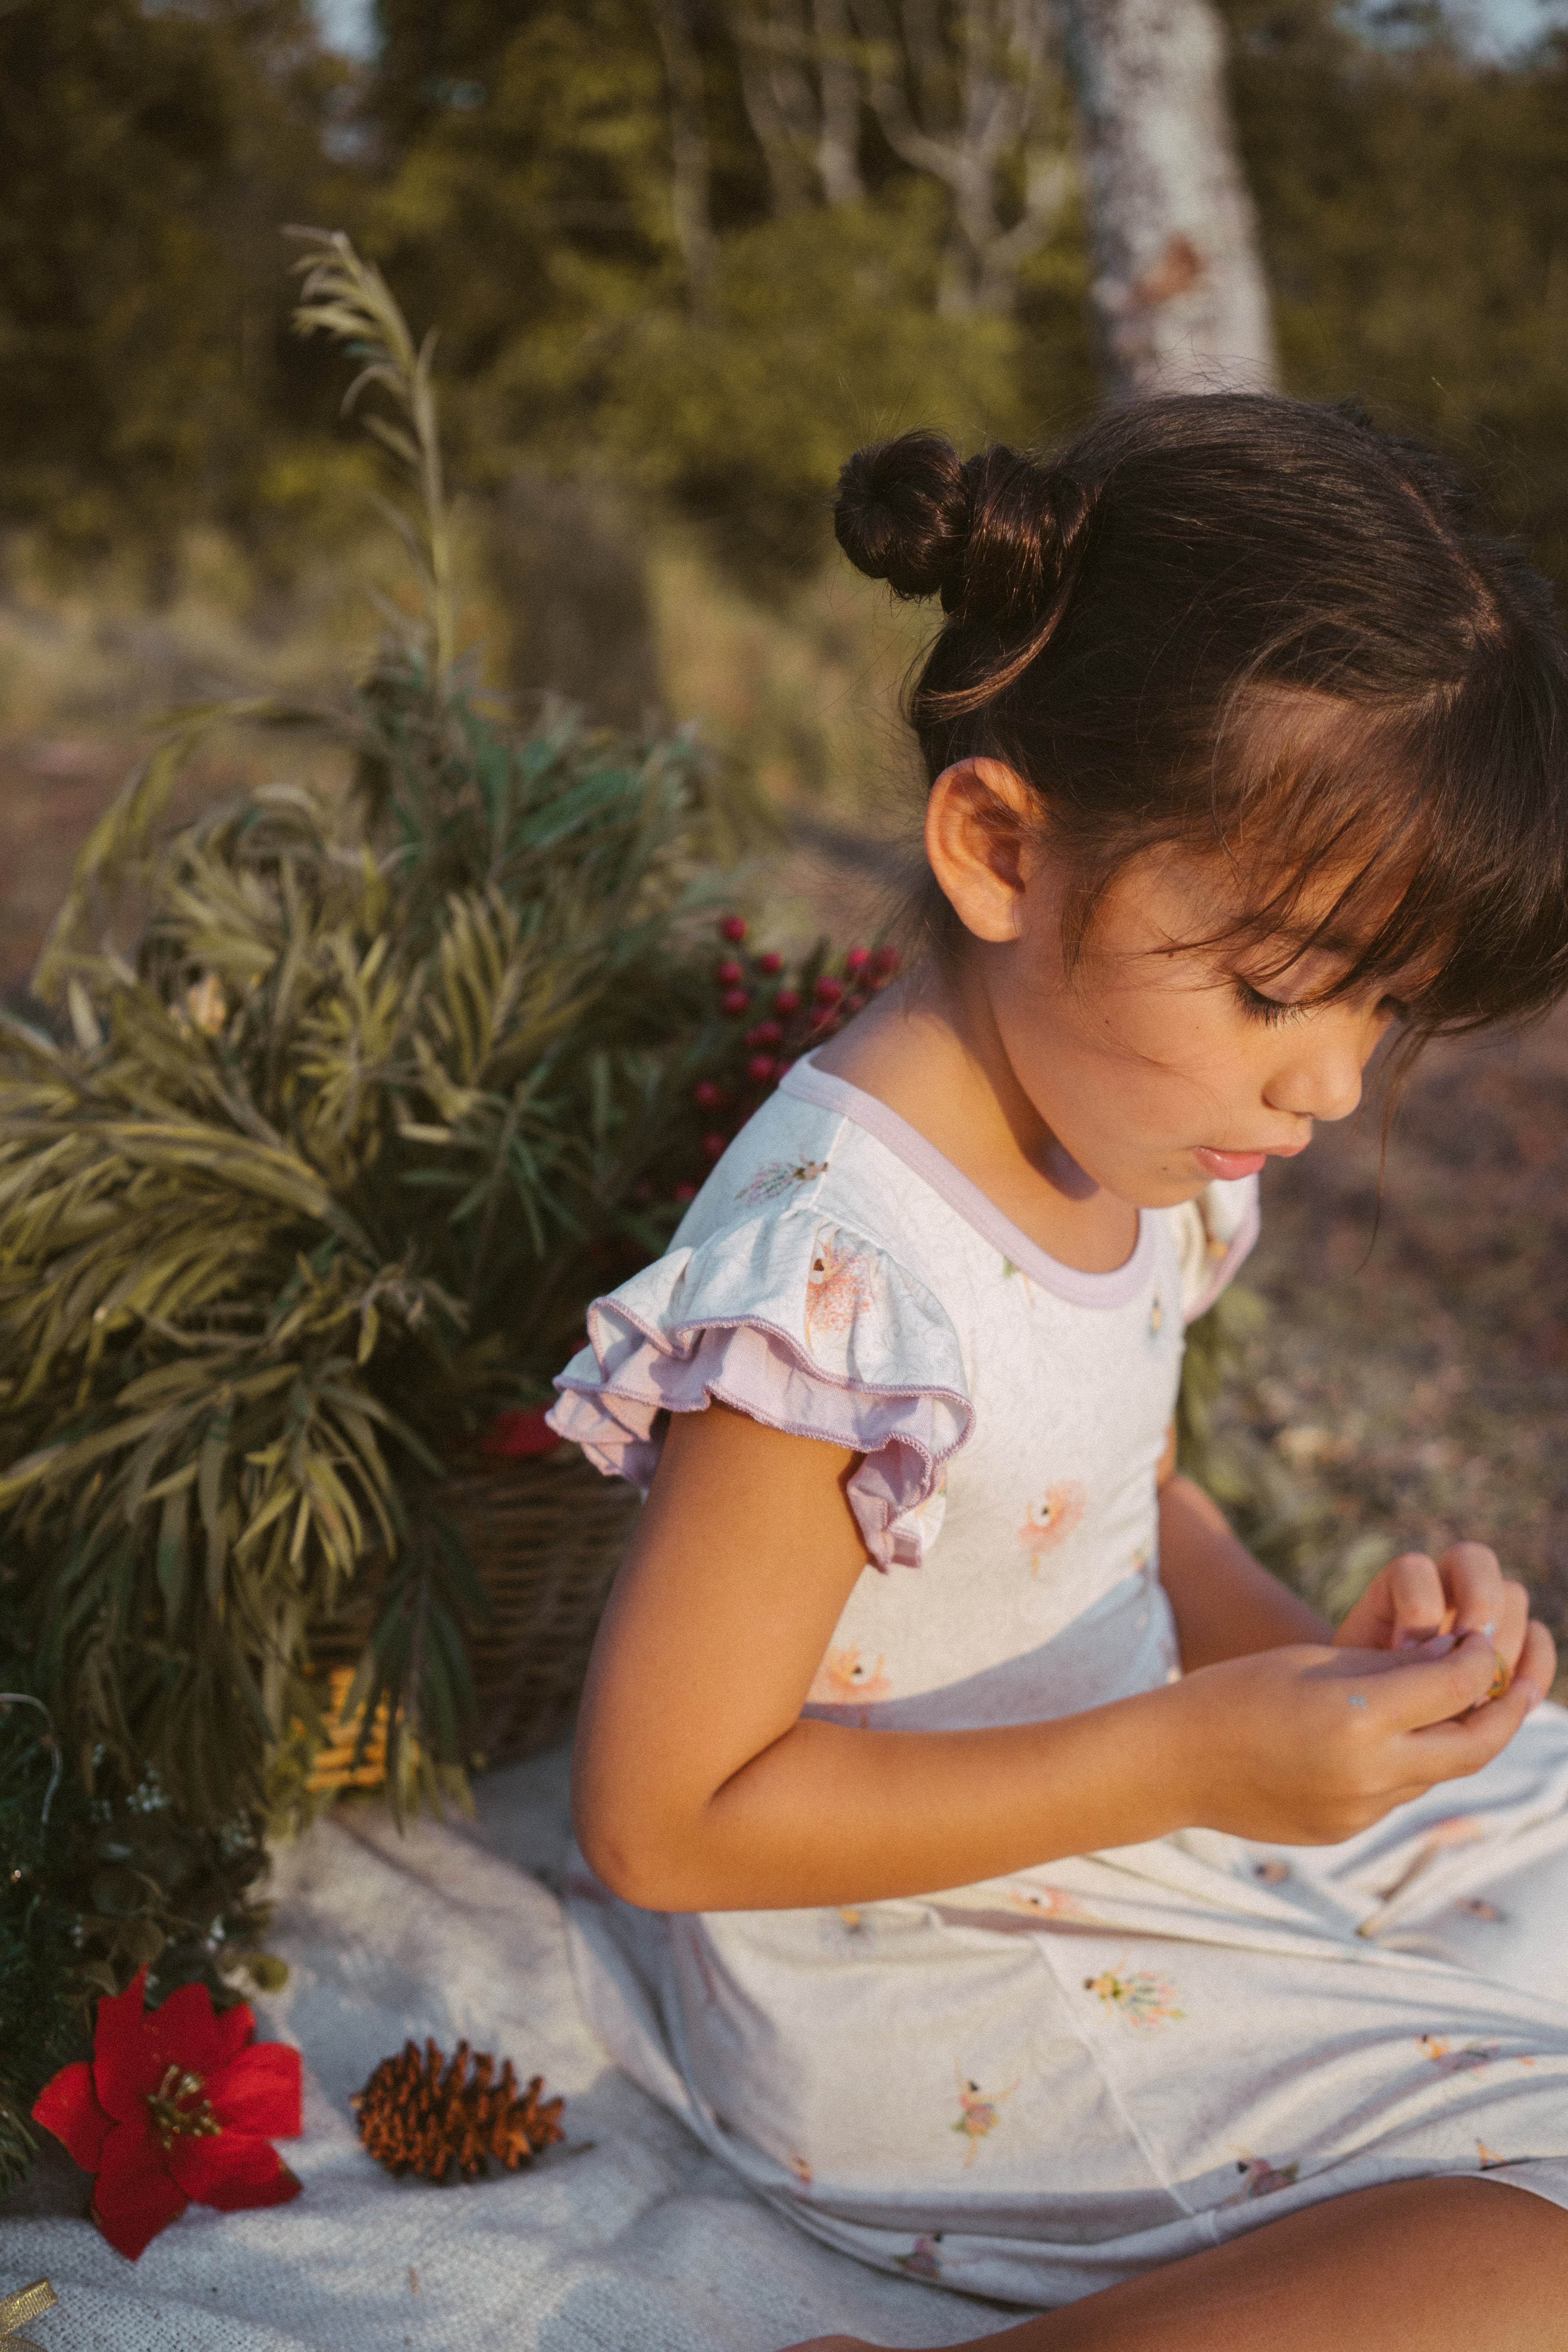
(689, 191)
(1179, 295)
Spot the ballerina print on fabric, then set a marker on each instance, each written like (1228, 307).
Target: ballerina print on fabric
(839, 1286)
(1450, 2061)
(1049, 1902)
(774, 1178)
(979, 2113)
(922, 2261)
(846, 1931)
(1261, 2178)
(1050, 1521)
(843, 1679)
(1145, 2000)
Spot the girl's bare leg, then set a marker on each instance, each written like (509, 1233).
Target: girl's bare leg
(1419, 2266)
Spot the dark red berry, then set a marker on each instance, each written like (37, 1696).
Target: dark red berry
(760, 1067)
(787, 1001)
(734, 999)
(857, 960)
(684, 1193)
(887, 959)
(766, 1033)
(715, 1146)
(771, 962)
(733, 927)
(706, 1095)
(852, 1003)
(827, 989)
(728, 973)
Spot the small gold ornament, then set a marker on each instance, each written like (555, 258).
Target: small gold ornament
(417, 2114)
(28, 2303)
(1501, 1677)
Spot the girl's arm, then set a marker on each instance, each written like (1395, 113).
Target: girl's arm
(696, 1785)
(1226, 1605)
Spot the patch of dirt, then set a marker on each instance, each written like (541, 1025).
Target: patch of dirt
(1410, 1384)
(52, 790)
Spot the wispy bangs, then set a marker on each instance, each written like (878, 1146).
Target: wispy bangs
(1424, 847)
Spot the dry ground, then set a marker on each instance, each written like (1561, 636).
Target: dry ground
(1412, 1374)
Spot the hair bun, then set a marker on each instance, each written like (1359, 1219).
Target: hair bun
(999, 539)
(902, 513)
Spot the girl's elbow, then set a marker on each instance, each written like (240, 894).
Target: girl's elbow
(627, 1857)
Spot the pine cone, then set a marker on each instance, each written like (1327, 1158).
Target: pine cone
(413, 2117)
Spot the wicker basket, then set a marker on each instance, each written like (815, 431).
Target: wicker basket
(545, 1536)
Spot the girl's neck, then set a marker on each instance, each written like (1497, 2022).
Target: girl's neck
(929, 1048)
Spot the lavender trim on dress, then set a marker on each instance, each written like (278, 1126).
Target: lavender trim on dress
(907, 1144)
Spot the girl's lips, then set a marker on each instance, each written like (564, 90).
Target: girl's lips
(1230, 1164)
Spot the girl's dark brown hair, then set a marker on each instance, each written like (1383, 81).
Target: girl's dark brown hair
(1261, 629)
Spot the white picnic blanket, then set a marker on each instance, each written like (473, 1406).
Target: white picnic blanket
(629, 2237)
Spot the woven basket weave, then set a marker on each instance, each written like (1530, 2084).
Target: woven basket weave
(545, 1537)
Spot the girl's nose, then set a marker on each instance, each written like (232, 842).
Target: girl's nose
(1320, 1076)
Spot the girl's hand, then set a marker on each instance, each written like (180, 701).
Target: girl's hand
(1307, 1745)
(1427, 1605)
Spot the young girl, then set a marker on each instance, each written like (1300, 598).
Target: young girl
(1013, 1881)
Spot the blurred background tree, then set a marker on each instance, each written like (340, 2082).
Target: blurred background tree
(147, 377)
(685, 252)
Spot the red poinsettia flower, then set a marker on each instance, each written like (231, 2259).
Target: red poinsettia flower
(177, 2104)
(518, 1431)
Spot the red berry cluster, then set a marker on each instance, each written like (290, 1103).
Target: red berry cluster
(798, 1010)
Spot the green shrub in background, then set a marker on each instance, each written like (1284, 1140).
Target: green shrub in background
(316, 1180)
(326, 1170)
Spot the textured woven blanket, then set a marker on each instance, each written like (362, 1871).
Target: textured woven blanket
(627, 2238)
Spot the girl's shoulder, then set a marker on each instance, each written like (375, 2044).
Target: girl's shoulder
(798, 1158)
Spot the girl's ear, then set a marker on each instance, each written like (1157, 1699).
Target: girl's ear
(980, 820)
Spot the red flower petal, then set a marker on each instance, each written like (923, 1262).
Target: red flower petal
(67, 2106)
(519, 1432)
(258, 2091)
(233, 2171)
(134, 2198)
(184, 2030)
(124, 2068)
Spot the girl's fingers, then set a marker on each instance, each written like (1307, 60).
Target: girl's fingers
(1417, 1601)
(1512, 1623)
(1449, 1750)
(1538, 1659)
(1476, 1587)
(1432, 1691)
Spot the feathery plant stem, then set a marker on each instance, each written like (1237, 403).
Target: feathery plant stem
(344, 296)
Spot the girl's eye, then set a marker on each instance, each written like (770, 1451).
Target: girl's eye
(1269, 1010)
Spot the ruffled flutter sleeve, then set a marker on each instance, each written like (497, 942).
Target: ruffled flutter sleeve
(799, 1324)
(1213, 1234)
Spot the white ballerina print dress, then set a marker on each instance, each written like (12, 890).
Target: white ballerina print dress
(1031, 2087)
